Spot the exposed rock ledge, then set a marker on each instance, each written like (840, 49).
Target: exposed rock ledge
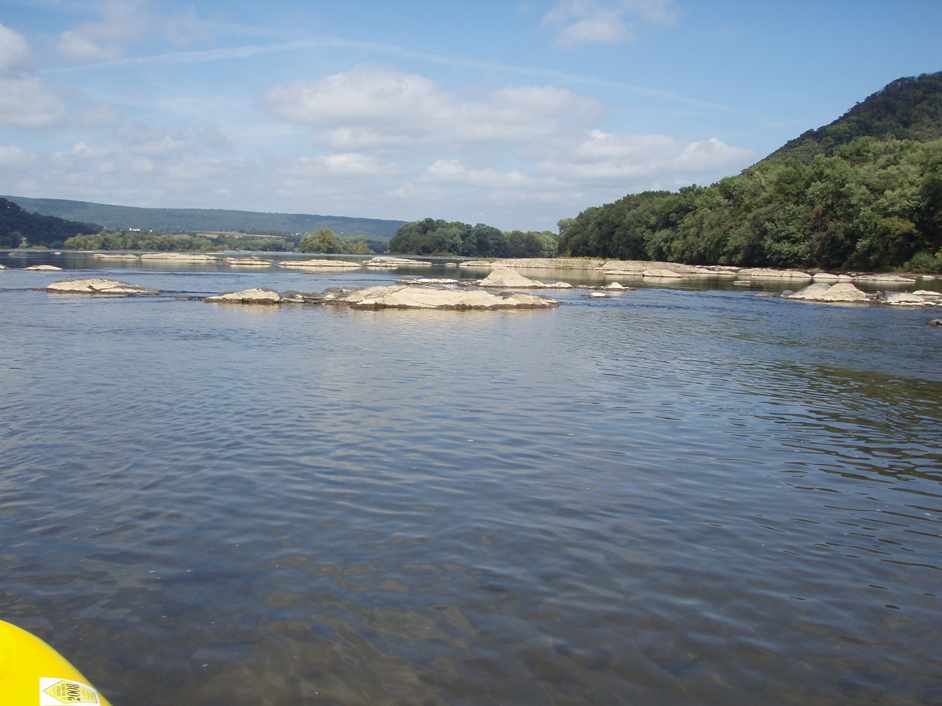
(319, 265)
(110, 287)
(842, 292)
(394, 297)
(845, 292)
(42, 268)
(177, 257)
(248, 296)
(504, 277)
(385, 262)
(117, 257)
(247, 262)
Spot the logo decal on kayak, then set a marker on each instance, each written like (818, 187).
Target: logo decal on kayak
(55, 692)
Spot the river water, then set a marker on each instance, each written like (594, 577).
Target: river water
(673, 497)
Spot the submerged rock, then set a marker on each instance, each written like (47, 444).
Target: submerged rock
(42, 268)
(406, 297)
(505, 277)
(842, 292)
(935, 322)
(110, 287)
(247, 296)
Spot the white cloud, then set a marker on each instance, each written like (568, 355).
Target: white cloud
(78, 46)
(580, 22)
(120, 22)
(453, 171)
(25, 102)
(368, 107)
(341, 164)
(645, 160)
(14, 50)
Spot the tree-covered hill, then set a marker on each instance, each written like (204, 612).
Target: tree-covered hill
(906, 109)
(194, 220)
(864, 192)
(20, 227)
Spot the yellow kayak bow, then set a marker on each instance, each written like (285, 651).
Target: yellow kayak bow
(34, 674)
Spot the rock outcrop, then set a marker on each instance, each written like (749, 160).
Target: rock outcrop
(116, 257)
(319, 265)
(247, 262)
(771, 273)
(884, 278)
(406, 297)
(180, 257)
(109, 287)
(616, 285)
(385, 262)
(42, 268)
(842, 292)
(247, 296)
(507, 278)
(831, 278)
(662, 274)
(428, 281)
(908, 299)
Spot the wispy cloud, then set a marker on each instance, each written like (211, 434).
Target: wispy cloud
(578, 22)
(248, 51)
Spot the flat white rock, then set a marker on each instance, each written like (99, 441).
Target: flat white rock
(110, 287)
(247, 296)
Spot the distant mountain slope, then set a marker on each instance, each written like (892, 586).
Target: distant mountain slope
(185, 220)
(17, 225)
(906, 109)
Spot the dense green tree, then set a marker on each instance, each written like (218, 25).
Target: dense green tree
(438, 237)
(871, 204)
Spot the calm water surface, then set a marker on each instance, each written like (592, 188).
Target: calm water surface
(669, 497)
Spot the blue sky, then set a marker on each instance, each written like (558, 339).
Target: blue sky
(510, 113)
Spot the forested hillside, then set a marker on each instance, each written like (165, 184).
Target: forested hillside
(864, 192)
(194, 220)
(19, 227)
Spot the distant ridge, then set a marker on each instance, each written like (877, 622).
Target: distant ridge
(186, 220)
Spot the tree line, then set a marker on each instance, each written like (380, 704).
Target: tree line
(438, 237)
(872, 204)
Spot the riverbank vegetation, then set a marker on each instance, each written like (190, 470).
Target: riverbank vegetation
(327, 241)
(438, 237)
(180, 242)
(873, 205)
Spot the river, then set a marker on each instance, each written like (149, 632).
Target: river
(672, 496)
